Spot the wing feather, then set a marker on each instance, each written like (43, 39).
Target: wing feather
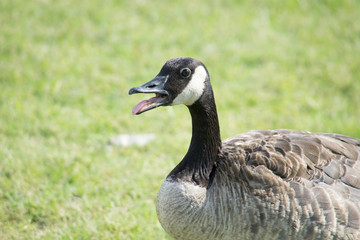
(319, 171)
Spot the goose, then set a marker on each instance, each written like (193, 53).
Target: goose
(264, 184)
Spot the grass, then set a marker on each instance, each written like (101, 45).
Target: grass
(65, 70)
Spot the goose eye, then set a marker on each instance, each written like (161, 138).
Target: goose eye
(185, 72)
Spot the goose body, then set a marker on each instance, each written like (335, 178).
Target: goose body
(273, 184)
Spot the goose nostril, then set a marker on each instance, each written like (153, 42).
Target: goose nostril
(151, 86)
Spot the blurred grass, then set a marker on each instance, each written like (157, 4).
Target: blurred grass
(66, 67)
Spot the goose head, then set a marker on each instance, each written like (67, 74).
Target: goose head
(181, 80)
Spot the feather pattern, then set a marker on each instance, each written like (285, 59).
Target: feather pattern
(270, 180)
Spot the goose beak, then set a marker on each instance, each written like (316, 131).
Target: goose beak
(154, 86)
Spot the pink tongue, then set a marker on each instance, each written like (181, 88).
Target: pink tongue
(139, 106)
(143, 104)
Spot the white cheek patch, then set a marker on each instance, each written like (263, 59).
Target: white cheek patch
(194, 89)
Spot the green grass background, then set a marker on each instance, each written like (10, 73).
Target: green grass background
(65, 71)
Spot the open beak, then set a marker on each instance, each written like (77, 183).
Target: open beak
(154, 86)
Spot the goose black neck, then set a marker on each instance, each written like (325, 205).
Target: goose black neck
(205, 145)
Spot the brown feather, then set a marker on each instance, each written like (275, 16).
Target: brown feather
(319, 174)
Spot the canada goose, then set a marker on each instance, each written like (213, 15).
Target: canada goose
(274, 184)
